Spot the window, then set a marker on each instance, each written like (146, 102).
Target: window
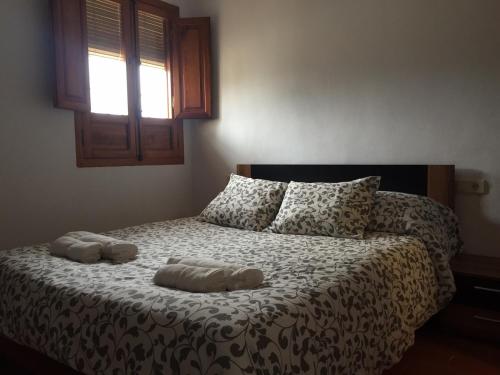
(131, 71)
(154, 74)
(107, 66)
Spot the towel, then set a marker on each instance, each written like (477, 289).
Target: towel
(117, 251)
(191, 278)
(74, 249)
(237, 276)
(245, 278)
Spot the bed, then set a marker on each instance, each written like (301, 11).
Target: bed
(327, 306)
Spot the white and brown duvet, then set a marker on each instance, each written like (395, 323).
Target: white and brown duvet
(328, 305)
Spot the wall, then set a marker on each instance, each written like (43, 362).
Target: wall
(337, 81)
(320, 81)
(42, 192)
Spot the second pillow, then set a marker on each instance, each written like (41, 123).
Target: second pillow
(327, 209)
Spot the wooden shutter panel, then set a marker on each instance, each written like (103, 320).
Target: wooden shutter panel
(162, 141)
(192, 69)
(104, 140)
(107, 139)
(71, 55)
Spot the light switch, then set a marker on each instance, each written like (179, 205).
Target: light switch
(472, 186)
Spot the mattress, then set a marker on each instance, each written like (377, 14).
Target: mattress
(327, 305)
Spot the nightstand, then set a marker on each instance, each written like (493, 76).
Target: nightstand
(475, 310)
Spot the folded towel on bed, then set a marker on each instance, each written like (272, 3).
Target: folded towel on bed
(191, 278)
(74, 249)
(117, 251)
(237, 276)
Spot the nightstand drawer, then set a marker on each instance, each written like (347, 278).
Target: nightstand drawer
(471, 321)
(478, 292)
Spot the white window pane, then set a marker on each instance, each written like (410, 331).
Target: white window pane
(154, 91)
(108, 85)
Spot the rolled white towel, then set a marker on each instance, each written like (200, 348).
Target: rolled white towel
(191, 278)
(245, 278)
(228, 268)
(237, 276)
(116, 250)
(74, 249)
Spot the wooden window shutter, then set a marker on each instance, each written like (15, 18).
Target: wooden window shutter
(192, 69)
(108, 139)
(161, 137)
(162, 141)
(70, 46)
(104, 140)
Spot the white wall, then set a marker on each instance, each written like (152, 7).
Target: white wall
(356, 81)
(42, 192)
(318, 81)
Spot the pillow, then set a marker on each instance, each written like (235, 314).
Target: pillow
(327, 209)
(431, 222)
(416, 215)
(245, 203)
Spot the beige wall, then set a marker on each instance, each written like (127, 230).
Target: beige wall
(356, 81)
(42, 193)
(318, 81)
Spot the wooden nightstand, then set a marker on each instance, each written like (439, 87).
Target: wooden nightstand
(475, 310)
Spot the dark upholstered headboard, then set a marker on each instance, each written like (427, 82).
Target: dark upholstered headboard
(434, 181)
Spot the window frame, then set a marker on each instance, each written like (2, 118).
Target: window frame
(136, 153)
(111, 140)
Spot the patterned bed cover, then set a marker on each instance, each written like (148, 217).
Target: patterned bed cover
(328, 305)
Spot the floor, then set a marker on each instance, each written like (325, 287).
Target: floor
(436, 353)
(432, 354)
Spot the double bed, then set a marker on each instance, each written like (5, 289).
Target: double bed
(327, 305)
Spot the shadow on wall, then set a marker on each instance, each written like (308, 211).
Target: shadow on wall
(215, 51)
(215, 168)
(475, 226)
(216, 171)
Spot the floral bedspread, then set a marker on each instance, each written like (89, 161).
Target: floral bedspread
(327, 306)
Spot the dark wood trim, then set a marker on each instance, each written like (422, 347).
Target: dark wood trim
(474, 311)
(133, 95)
(439, 181)
(192, 82)
(476, 266)
(94, 163)
(88, 159)
(167, 140)
(71, 55)
(244, 170)
(441, 184)
(91, 163)
(171, 10)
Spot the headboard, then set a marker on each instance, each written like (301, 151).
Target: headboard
(434, 181)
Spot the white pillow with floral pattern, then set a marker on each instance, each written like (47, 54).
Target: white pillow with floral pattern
(245, 203)
(327, 209)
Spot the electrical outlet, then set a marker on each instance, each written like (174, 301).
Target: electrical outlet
(472, 186)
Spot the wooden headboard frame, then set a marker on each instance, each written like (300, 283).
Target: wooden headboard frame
(435, 181)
